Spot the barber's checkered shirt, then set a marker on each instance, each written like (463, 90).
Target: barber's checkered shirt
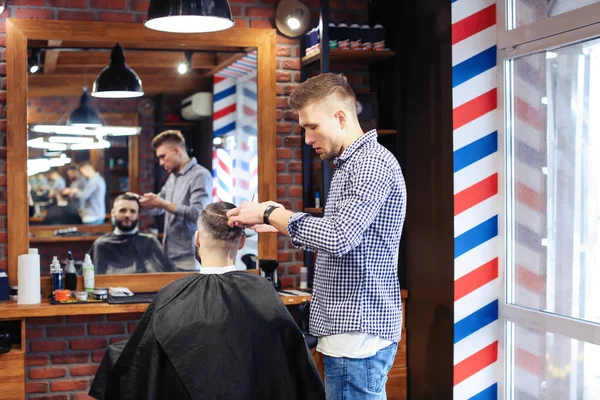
(355, 285)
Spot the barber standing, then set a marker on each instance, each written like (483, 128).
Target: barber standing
(356, 309)
(186, 192)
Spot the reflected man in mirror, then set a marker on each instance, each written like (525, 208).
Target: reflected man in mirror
(186, 192)
(76, 181)
(92, 196)
(125, 250)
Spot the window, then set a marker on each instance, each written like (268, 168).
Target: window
(528, 11)
(550, 316)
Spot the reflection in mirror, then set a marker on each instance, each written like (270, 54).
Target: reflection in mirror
(77, 169)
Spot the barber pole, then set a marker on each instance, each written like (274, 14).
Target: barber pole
(476, 201)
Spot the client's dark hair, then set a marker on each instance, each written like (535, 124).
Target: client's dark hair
(129, 197)
(213, 220)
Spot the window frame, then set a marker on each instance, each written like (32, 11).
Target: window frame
(547, 34)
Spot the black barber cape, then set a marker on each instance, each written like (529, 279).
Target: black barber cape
(129, 254)
(212, 337)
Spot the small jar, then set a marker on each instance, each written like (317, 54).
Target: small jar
(81, 296)
(13, 292)
(99, 294)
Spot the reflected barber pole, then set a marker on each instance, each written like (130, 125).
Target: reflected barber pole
(235, 152)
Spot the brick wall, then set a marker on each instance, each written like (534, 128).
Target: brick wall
(247, 13)
(63, 353)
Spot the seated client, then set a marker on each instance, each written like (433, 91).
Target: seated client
(125, 250)
(219, 334)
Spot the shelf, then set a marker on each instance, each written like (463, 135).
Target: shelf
(11, 310)
(314, 211)
(64, 239)
(182, 123)
(381, 132)
(364, 56)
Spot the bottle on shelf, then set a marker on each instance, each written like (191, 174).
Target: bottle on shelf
(355, 37)
(378, 37)
(88, 273)
(367, 37)
(333, 36)
(56, 274)
(70, 273)
(343, 36)
(303, 278)
(317, 200)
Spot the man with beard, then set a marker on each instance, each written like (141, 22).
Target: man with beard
(125, 250)
(217, 334)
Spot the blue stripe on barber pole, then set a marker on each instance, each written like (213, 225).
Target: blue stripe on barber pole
(474, 66)
(476, 231)
(491, 393)
(476, 321)
(475, 151)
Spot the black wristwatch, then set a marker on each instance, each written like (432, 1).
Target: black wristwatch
(268, 212)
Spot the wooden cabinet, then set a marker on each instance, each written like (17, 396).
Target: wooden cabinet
(12, 367)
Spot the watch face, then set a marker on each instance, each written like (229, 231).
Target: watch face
(359, 107)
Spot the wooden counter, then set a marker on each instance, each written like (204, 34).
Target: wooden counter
(12, 310)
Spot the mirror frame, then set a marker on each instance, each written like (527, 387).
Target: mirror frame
(19, 31)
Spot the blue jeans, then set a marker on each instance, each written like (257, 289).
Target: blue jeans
(359, 378)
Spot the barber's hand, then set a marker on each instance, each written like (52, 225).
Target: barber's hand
(249, 214)
(151, 200)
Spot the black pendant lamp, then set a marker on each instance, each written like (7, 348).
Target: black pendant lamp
(117, 80)
(189, 16)
(85, 115)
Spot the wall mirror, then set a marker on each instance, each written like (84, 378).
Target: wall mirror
(60, 61)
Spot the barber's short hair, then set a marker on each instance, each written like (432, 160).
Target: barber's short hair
(127, 197)
(171, 136)
(213, 220)
(71, 168)
(319, 88)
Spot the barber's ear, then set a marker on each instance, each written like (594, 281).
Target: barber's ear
(340, 116)
(242, 242)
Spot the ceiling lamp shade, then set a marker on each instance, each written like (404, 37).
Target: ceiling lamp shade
(189, 16)
(85, 114)
(117, 80)
(292, 18)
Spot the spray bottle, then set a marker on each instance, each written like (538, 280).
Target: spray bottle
(70, 273)
(56, 273)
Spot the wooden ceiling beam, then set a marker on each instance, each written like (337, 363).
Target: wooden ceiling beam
(72, 85)
(51, 57)
(135, 59)
(223, 61)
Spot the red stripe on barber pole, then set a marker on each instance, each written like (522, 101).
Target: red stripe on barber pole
(474, 195)
(476, 279)
(475, 108)
(474, 24)
(475, 363)
(224, 111)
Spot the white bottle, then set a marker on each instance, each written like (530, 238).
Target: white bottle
(88, 273)
(303, 278)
